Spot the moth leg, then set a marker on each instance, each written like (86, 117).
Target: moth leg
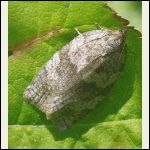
(62, 124)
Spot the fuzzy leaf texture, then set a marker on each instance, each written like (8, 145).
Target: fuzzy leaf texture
(36, 31)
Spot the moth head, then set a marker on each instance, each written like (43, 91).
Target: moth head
(115, 39)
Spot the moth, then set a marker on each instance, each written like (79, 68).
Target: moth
(75, 79)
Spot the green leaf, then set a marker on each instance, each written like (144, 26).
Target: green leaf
(126, 8)
(36, 31)
(115, 134)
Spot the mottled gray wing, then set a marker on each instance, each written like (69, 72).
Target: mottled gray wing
(74, 79)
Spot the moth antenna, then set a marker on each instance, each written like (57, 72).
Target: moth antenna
(98, 26)
(78, 31)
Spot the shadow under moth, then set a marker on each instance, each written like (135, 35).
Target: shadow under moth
(73, 80)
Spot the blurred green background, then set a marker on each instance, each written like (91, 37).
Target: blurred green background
(130, 10)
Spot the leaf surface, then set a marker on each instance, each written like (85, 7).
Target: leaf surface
(36, 31)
